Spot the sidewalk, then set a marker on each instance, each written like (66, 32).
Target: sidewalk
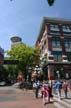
(16, 98)
(30, 101)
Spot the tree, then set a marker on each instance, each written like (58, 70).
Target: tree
(27, 56)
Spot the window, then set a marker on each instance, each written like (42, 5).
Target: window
(69, 56)
(67, 43)
(54, 33)
(56, 43)
(54, 27)
(66, 28)
(57, 56)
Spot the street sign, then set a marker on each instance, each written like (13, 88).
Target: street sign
(11, 62)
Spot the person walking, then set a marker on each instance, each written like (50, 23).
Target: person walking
(58, 86)
(51, 86)
(65, 88)
(36, 88)
(46, 91)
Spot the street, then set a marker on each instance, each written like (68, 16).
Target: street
(11, 97)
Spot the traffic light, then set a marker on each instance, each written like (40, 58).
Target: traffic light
(50, 2)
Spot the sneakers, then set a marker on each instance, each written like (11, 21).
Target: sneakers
(45, 103)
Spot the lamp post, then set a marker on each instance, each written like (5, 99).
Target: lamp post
(37, 72)
(29, 69)
(67, 75)
(58, 74)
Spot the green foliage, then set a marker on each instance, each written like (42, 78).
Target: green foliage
(3, 73)
(50, 2)
(25, 54)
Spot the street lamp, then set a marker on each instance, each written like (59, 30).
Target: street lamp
(58, 74)
(67, 75)
(29, 69)
(37, 72)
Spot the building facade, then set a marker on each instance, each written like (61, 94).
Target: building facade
(54, 42)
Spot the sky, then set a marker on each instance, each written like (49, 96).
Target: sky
(24, 17)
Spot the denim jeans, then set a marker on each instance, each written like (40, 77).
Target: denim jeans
(65, 92)
(36, 92)
(59, 93)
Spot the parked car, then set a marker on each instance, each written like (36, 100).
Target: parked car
(3, 83)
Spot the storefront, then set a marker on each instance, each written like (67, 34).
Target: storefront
(57, 70)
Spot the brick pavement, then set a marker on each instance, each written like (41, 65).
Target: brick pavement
(22, 99)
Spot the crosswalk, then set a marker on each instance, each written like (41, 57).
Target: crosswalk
(63, 103)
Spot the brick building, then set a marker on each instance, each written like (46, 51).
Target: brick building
(54, 41)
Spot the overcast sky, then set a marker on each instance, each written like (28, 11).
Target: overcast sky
(24, 17)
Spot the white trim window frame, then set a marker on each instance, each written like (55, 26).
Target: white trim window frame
(66, 28)
(54, 27)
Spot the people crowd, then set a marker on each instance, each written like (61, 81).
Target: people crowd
(44, 89)
(47, 89)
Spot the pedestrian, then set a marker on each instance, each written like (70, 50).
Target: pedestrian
(69, 86)
(36, 88)
(50, 84)
(46, 91)
(20, 77)
(44, 94)
(26, 85)
(58, 86)
(65, 88)
(49, 92)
